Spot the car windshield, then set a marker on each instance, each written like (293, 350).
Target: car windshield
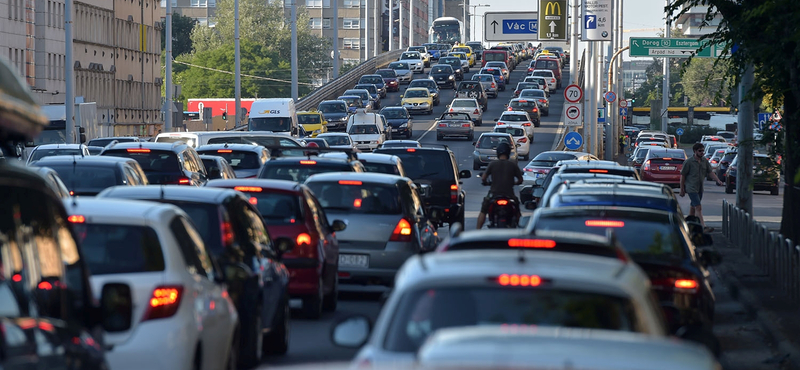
(387, 73)
(397, 66)
(423, 311)
(238, 159)
(354, 101)
(305, 119)
(442, 69)
(394, 113)
(464, 103)
(491, 141)
(371, 80)
(41, 153)
(428, 84)
(364, 95)
(514, 131)
(363, 130)
(462, 50)
(410, 56)
(357, 197)
(337, 140)
(371, 88)
(332, 108)
(151, 160)
(416, 94)
(300, 172)
(550, 159)
(119, 249)
(278, 124)
(513, 118)
(86, 179)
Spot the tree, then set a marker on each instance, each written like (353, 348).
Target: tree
(745, 27)
(181, 30)
(651, 89)
(704, 84)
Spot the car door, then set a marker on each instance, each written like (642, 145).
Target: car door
(330, 245)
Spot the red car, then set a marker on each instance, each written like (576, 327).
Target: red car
(389, 78)
(291, 210)
(663, 166)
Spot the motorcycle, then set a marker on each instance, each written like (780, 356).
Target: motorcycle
(503, 212)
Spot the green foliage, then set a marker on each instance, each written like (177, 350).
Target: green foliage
(691, 134)
(651, 88)
(181, 29)
(705, 84)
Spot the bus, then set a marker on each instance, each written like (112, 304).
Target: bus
(446, 30)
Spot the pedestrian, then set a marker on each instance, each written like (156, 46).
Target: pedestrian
(622, 144)
(694, 172)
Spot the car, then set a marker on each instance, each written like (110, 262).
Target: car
(246, 160)
(498, 77)
(544, 162)
(217, 167)
(401, 144)
(290, 210)
(432, 87)
(462, 57)
(443, 74)
(520, 135)
(766, 174)
(617, 192)
(414, 60)
(663, 166)
(477, 48)
(313, 121)
(488, 82)
(517, 118)
(486, 149)
(390, 78)
(233, 233)
(725, 162)
(423, 52)
(469, 106)
(455, 124)
(461, 48)
(454, 63)
(433, 50)
(366, 98)
(529, 106)
(709, 139)
(386, 222)
(539, 80)
(338, 140)
(48, 150)
(157, 251)
(95, 150)
(536, 288)
(367, 136)
(553, 65)
(417, 99)
(88, 176)
(163, 163)
(501, 65)
(335, 112)
(403, 71)
(540, 96)
(377, 80)
(53, 181)
(435, 171)
(375, 162)
(298, 169)
(715, 158)
(103, 141)
(473, 90)
(400, 120)
(549, 76)
(373, 93)
(638, 155)
(574, 170)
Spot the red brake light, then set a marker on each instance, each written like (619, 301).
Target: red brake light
(138, 150)
(532, 243)
(465, 125)
(16, 278)
(357, 203)
(493, 85)
(164, 302)
(350, 182)
(502, 202)
(303, 238)
(526, 124)
(523, 101)
(226, 230)
(442, 125)
(71, 192)
(308, 162)
(604, 223)
(184, 181)
(224, 151)
(519, 280)
(402, 232)
(253, 201)
(646, 166)
(523, 140)
(45, 285)
(598, 171)
(454, 193)
(411, 150)
(248, 189)
(685, 284)
(476, 112)
(76, 219)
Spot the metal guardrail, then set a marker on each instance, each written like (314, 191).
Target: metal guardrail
(779, 257)
(581, 70)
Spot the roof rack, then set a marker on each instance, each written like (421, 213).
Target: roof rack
(276, 151)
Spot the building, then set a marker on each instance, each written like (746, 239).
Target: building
(690, 22)
(201, 10)
(116, 52)
(634, 73)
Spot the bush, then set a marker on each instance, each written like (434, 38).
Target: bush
(691, 134)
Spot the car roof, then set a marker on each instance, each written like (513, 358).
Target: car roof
(296, 160)
(495, 134)
(171, 192)
(148, 145)
(417, 88)
(106, 211)
(59, 146)
(504, 234)
(236, 147)
(334, 101)
(89, 159)
(372, 177)
(368, 157)
(283, 185)
(514, 113)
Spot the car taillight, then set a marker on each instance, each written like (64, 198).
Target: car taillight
(454, 193)
(523, 140)
(553, 80)
(493, 85)
(519, 280)
(677, 285)
(604, 223)
(542, 101)
(303, 238)
(226, 232)
(402, 232)
(248, 189)
(451, 109)
(509, 109)
(76, 219)
(184, 181)
(465, 125)
(527, 124)
(442, 125)
(138, 150)
(308, 162)
(530, 69)
(531, 243)
(516, 92)
(253, 201)
(714, 161)
(164, 302)
(502, 202)
(646, 166)
(535, 109)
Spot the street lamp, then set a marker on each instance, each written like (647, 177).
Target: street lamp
(473, 16)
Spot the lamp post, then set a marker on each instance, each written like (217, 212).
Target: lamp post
(474, 15)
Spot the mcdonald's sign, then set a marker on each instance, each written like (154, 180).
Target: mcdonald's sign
(552, 20)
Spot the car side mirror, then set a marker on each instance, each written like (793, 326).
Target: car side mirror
(539, 181)
(538, 192)
(283, 245)
(116, 307)
(351, 332)
(531, 205)
(338, 225)
(464, 174)
(401, 96)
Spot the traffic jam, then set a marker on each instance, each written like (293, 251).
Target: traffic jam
(216, 249)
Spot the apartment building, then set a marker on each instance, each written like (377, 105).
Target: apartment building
(690, 23)
(201, 10)
(634, 73)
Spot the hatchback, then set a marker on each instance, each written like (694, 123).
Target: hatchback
(540, 96)
(525, 105)
(444, 75)
(519, 134)
(663, 166)
(429, 84)
(400, 121)
(163, 163)
(488, 83)
(517, 118)
(403, 71)
(246, 160)
(90, 175)
(376, 80)
(455, 63)
(486, 149)
(390, 78)
(48, 150)
(498, 77)
(549, 77)
(217, 167)
(469, 106)
(298, 169)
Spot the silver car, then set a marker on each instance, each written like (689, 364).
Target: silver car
(488, 82)
(469, 106)
(403, 70)
(486, 146)
(540, 96)
(455, 124)
(414, 60)
(386, 223)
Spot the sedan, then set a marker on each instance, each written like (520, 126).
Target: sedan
(502, 65)
(488, 82)
(455, 124)
(431, 85)
(517, 118)
(486, 147)
(444, 75)
(414, 60)
(456, 64)
(468, 106)
(540, 96)
(338, 140)
(403, 71)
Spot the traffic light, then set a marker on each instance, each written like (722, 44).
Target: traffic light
(224, 116)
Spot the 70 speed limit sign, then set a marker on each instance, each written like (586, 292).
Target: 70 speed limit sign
(573, 93)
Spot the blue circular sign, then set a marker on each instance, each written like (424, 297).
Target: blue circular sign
(573, 140)
(679, 132)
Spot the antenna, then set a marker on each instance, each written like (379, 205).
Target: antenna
(521, 256)
(74, 167)
(162, 191)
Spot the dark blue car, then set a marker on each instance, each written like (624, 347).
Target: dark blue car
(336, 113)
(376, 80)
(399, 119)
(433, 50)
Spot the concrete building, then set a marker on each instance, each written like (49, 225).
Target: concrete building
(116, 50)
(201, 10)
(690, 22)
(634, 73)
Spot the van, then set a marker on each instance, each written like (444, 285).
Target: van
(496, 55)
(275, 115)
(362, 117)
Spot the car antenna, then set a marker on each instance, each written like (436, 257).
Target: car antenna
(162, 191)
(72, 192)
(521, 256)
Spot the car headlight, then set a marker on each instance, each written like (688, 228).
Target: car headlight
(316, 131)
(343, 119)
(451, 77)
(404, 125)
(430, 77)
(373, 141)
(423, 104)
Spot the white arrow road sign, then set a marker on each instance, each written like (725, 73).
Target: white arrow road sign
(573, 115)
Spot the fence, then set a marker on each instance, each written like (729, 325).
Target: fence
(779, 257)
(559, 145)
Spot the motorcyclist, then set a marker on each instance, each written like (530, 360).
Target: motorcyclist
(505, 174)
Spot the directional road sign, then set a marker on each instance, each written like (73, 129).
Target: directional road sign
(679, 131)
(511, 26)
(610, 96)
(658, 47)
(623, 103)
(596, 20)
(573, 140)
(573, 93)
(573, 115)
(553, 19)
(763, 118)
(623, 111)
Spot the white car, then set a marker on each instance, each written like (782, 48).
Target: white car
(469, 106)
(549, 77)
(414, 60)
(48, 150)
(423, 51)
(520, 137)
(366, 136)
(181, 318)
(540, 80)
(338, 140)
(517, 117)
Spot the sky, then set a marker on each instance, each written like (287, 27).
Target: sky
(641, 17)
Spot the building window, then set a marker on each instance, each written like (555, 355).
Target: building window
(164, 3)
(351, 23)
(315, 23)
(353, 43)
(318, 3)
(199, 3)
(353, 3)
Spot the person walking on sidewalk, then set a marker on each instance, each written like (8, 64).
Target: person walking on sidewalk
(622, 144)
(694, 172)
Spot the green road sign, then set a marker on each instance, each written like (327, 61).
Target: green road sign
(673, 48)
(553, 19)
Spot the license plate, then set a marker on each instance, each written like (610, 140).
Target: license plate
(455, 125)
(667, 168)
(353, 260)
(394, 130)
(492, 158)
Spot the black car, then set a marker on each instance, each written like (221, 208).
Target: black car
(766, 174)
(298, 169)
(164, 163)
(444, 75)
(431, 85)
(525, 105)
(235, 235)
(217, 167)
(435, 170)
(336, 113)
(376, 80)
(91, 175)
(399, 119)
(454, 63)
(473, 90)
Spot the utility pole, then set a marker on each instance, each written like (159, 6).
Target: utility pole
(598, 98)
(335, 40)
(590, 100)
(237, 61)
(69, 71)
(665, 86)
(464, 31)
(573, 42)
(391, 25)
(472, 24)
(366, 30)
(168, 74)
(295, 92)
(744, 194)
(376, 35)
(400, 26)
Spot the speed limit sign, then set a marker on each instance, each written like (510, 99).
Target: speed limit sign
(623, 103)
(573, 93)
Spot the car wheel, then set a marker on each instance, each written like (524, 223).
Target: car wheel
(459, 218)
(728, 187)
(277, 341)
(253, 340)
(312, 305)
(331, 300)
(774, 191)
(476, 166)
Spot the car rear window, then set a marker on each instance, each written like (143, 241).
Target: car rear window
(206, 220)
(41, 153)
(513, 118)
(119, 249)
(423, 311)
(514, 131)
(464, 104)
(512, 243)
(150, 160)
(546, 64)
(381, 167)
(239, 160)
(494, 56)
(606, 171)
(522, 104)
(533, 93)
(357, 197)
(424, 164)
(550, 159)
(387, 73)
(543, 73)
(300, 172)
(442, 69)
(81, 178)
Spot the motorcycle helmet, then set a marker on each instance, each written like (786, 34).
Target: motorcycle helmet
(503, 149)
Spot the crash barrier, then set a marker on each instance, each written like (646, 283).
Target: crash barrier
(336, 87)
(579, 81)
(779, 257)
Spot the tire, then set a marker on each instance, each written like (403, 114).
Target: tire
(728, 188)
(773, 191)
(276, 342)
(312, 305)
(331, 300)
(475, 166)
(251, 348)
(459, 218)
